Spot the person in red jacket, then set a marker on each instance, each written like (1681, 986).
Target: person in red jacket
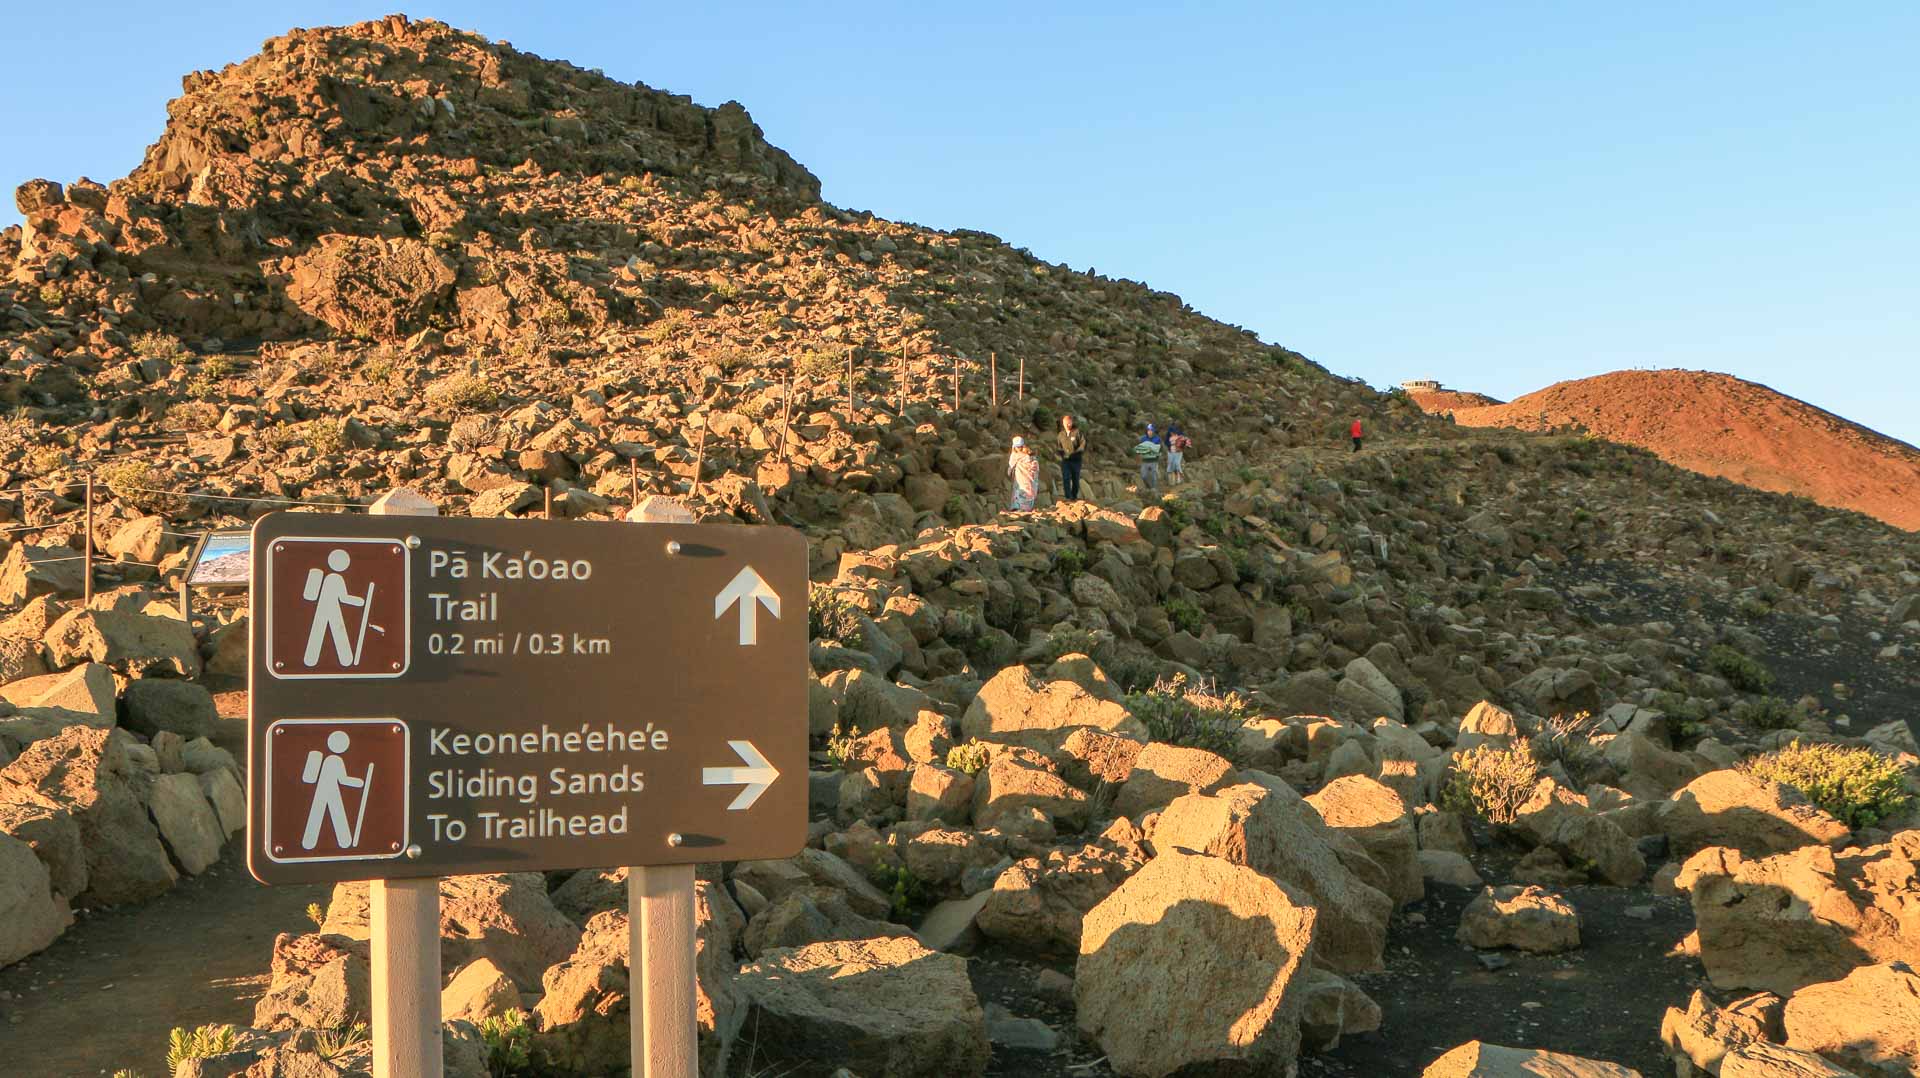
(1357, 433)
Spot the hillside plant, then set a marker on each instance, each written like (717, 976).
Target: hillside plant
(1073, 640)
(463, 392)
(1859, 786)
(840, 745)
(1738, 669)
(201, 1042)
(1491, 782)
(509, 1042)
(1195, 714)
(1186, 617)
(331, 1044)
(834, 619)
(158, 345)
(1767, 713)
(908, 896)
(969, 757)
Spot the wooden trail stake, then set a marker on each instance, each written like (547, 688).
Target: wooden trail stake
(993, 380)
(699, 462)
(86, 563)
(786, 417)
(1023, 377)
(849, 385)
(956, 383)
(633, 480)
(549, 502)
(903, 382)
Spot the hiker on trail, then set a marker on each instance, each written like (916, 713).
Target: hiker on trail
(1148, 450)
(1177, 445)
(1024, 468)
(1358, 433)
(1073, 447)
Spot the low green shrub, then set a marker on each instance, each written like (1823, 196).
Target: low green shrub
(969, 757)
(908, 895)
(1491, 782)
(1767, 713)
(840, 745)
(466, 392)
(1741, 672)
(1858, 785)
(833, 619)
(201, 1042)
(1186, 616)
(509, 1042)
(1196, 715)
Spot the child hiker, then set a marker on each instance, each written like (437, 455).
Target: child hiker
(1024, 469)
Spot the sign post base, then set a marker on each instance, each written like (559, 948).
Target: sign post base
(660, 923)
(405, 916)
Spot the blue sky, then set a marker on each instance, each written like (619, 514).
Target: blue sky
(1499, 195)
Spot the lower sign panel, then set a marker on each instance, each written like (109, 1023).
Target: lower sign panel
(548, 695)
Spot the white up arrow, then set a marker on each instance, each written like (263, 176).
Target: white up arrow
(751, 592)
(756, 776)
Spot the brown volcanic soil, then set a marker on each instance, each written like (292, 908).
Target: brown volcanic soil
(1448, 400)
(1724, 426)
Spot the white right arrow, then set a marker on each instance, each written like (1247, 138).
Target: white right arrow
(756, 776)
(751, 592)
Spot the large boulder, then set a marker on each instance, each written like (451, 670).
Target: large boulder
(582, 1022)
(50, 830)
(1270, 829)
(317, 982)
(1476, 1059)
(1757, 817)
(813, 868)
(1365, 693)
(1525, 918)
(1763, 1060)
(187, 822)
(31, 915)
(85, 693)
(1039, 904)
(1375, 816)
(1018, 708)
(1868, 1020)
(1794, 919)
(1704, 1034)
(1162, 772)
(879, 1007)
(133, 644)
(179, 707)
(504, 917)
(1195, 965)
(1019, 780)
(1565, 823)
(368, 286)
(89, 773)
(29, 571)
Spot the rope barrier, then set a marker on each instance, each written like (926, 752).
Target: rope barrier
(236, 497)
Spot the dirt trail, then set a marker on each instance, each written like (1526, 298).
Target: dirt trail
(105, 994)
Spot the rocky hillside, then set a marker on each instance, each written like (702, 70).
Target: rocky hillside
(1442, 401)
(1720, 425)
(1214, 776)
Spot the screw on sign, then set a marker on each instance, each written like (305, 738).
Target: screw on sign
(348, 616)
(336, 789)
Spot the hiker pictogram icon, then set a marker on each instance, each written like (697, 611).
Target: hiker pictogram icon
(336, 789)
(337, 608)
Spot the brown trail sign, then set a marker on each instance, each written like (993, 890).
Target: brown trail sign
(439, 696)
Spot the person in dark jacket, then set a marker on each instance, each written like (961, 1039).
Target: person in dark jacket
(1073, 449)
